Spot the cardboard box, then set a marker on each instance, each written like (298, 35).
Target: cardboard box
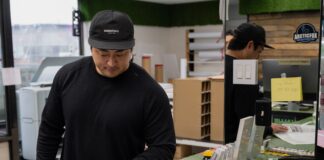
(217, 109)
(4, 151)
(182, 151)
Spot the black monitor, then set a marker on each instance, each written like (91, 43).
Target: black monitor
(319, 149)
(306, 68)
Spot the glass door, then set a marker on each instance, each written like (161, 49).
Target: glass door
(39, 31)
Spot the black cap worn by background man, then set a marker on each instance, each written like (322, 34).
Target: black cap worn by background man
(111, 30)
(251, 31)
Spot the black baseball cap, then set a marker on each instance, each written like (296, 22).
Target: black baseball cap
(251, 31)
(111, 30)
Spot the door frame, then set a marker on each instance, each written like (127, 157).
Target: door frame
(10, 91)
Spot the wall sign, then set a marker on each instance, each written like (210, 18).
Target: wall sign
(305, 33)
(76, 22)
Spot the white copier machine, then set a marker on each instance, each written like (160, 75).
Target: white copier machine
(31, 102)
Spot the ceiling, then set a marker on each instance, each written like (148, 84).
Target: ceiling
(172, 1)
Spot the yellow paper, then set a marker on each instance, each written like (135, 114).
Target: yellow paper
(286, 89)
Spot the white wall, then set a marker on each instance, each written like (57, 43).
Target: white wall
(159, 41)
(235, 18)
(150, 40)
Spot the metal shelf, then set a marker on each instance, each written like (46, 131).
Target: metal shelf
(206, 62)
(205, 35)
(197, 143)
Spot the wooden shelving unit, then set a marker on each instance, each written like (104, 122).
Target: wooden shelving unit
(192, 108)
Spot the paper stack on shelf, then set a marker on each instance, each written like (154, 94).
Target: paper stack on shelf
(205, 35)
(211, 55)
(205, 52)
(206, 46)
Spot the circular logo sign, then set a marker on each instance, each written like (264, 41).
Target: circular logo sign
(305, 33)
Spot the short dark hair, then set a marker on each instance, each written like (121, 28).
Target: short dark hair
(236, 44)
(229, 32)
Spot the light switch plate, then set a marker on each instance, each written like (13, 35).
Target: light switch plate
(239, 73)
(245, 72)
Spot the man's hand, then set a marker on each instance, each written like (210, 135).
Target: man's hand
(277, 128)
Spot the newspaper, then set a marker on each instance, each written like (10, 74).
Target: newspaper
(298, 134)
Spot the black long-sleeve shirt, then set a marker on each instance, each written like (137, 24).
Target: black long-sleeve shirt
(239, 102)
(106, 118)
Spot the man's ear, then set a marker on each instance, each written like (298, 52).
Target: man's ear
(250, 45)
(131, 57)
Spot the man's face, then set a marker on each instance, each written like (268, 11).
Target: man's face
(111, 63)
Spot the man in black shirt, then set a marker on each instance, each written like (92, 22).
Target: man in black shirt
(247, 42)
(106, 106)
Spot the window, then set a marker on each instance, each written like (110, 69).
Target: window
(42, 31)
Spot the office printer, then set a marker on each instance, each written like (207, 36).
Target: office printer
(32, 99)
